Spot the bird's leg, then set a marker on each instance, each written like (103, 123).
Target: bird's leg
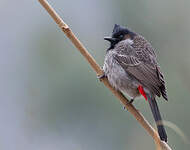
(100, 77)
(129, 102)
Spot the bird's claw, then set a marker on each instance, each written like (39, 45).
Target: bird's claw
(128, 102)
(100, 77)
(131, 101)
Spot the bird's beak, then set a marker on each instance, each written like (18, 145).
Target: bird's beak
(110, 39)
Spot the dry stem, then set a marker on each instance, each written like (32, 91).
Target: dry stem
(139, 117)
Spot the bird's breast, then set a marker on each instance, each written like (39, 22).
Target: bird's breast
(118, 77)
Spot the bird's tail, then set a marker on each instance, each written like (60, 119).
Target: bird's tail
(157, 118)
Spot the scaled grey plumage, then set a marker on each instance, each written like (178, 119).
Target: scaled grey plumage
(138, 59)
(131, 62)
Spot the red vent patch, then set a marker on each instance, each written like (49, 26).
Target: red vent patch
(141, 91)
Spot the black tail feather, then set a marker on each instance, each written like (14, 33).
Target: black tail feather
(157, 118)
(163, 91)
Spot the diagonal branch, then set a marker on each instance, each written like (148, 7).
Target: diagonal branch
(138, 116)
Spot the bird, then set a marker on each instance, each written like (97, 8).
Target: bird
(131, 67)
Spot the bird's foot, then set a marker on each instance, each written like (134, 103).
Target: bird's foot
(100, 77)
(129, 102)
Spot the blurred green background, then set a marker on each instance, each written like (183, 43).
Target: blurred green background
(50, 96)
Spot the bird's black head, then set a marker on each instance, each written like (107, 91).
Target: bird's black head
(119, 33)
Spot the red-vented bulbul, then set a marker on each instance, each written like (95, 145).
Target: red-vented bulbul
(131, 67)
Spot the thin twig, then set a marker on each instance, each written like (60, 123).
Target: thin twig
(139, 117)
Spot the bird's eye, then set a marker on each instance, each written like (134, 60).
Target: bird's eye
(121, 36)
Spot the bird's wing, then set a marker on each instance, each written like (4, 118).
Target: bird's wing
(140, 64)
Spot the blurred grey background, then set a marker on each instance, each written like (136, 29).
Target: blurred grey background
(50, 97)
